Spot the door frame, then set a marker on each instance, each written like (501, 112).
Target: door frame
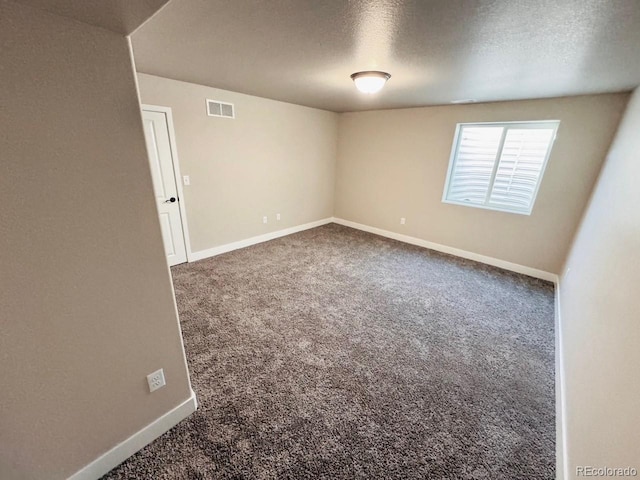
(176, 171)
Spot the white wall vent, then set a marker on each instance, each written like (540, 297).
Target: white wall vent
(216, 108)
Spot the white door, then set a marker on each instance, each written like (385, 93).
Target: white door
(156, 131)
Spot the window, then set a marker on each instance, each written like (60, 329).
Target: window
(498, 166)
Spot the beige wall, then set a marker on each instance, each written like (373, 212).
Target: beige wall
(600, 313)
(86, 306)
(393, 163)
(274, 157)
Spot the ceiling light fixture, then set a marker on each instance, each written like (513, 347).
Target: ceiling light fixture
(370, 82)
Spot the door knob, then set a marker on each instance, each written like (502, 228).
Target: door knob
(171, 200)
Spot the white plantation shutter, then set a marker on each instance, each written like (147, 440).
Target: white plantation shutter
(499, 166)
(475, 159)
(520, 168)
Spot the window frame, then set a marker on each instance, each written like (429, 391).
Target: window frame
(533, 124)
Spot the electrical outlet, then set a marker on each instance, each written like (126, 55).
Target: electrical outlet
(186, 180)
(278, 216)
(403, 221)
(156, 380)
(265, 219)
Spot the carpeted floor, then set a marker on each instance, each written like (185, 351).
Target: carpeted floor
(337, 354)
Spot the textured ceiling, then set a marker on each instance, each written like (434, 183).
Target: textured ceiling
(120, 16)
(303, 51)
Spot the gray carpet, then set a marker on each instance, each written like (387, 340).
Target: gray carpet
(337, 354)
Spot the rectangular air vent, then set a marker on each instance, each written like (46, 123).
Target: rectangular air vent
(216, 108)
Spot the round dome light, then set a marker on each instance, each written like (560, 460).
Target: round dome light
(370, 82)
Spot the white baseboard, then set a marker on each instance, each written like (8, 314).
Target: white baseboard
(514, 267)
(562, 464)
(135, 442)
(212, 252)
